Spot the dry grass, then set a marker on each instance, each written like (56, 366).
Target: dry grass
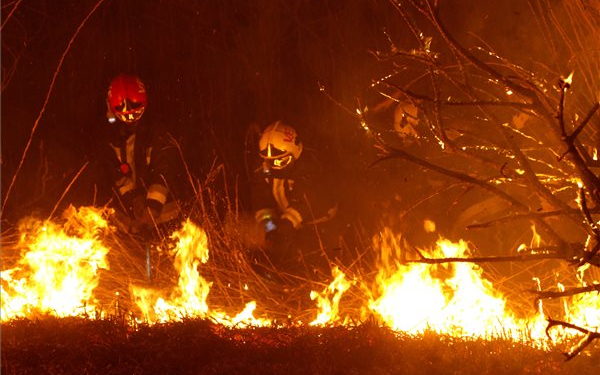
(84, 346)
(117, 345)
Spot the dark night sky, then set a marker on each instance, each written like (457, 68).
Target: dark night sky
(212, 68)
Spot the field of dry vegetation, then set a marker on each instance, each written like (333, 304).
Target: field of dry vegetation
(493, 141)
(82, 346)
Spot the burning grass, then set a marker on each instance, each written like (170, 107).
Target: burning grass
(207, 312)
(194, 346)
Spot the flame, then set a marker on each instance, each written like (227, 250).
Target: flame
(534, 244)
(584, 310)
(188, 300)
(59, 263)
(58, 268)
(453, 298)
(569, 79)
(456, 299)
(536, 239)
(329, 306)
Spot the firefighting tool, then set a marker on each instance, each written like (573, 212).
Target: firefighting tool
(126, 98)
(279, 146)
(278, 233)
(142, 228)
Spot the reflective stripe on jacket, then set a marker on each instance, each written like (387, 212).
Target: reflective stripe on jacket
(301, 193)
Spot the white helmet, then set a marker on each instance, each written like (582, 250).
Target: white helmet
(279, 145)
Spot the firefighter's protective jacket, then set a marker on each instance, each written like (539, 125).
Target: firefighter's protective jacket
(301, 193)
(138, 164)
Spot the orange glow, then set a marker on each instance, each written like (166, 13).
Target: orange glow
(569, 79)
(455, 299)
(58, 268)
(57, 273)
(329, 306)
(414, 298)
(188, 299)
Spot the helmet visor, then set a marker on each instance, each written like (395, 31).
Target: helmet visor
(272, 152)
(276, 158)
(129, 111)
(279, 163)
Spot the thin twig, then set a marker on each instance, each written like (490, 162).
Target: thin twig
(397, 153)
(526, 216)
(589, 337)
(46, 100)
(566, 293)
(426, 98)
(584, 122)
(67, 189)
(9, 15)
(492, 259)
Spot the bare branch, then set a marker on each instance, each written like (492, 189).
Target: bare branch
(500, 103)
(584, 122)
(397, 153)
(526, 216)
(566, 293)
(589, 337)
(527, 257)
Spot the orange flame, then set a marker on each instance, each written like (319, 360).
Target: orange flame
(569, 79)
(58, 272)
(457, 299)
(450, 298)
(59, 264)
(329, 306)
(188, 300)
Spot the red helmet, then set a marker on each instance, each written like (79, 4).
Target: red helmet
(127, 98)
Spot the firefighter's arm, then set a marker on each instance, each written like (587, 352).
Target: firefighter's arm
(277, 230)
(293, 216)
(317, 201)
(143, 211)
(162, 160)
(266, 219)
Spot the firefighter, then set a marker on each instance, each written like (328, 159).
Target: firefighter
(138, 159)
(293, 199)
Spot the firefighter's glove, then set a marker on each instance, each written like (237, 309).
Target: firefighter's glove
(145, 217)
(138, 206)
(278, 233)
(150, 216)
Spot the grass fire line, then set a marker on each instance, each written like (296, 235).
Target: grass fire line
(58, 268)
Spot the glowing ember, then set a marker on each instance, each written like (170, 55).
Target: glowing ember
(569, 79)
(57, 271)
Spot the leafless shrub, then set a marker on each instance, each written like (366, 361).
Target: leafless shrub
(522, 138)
